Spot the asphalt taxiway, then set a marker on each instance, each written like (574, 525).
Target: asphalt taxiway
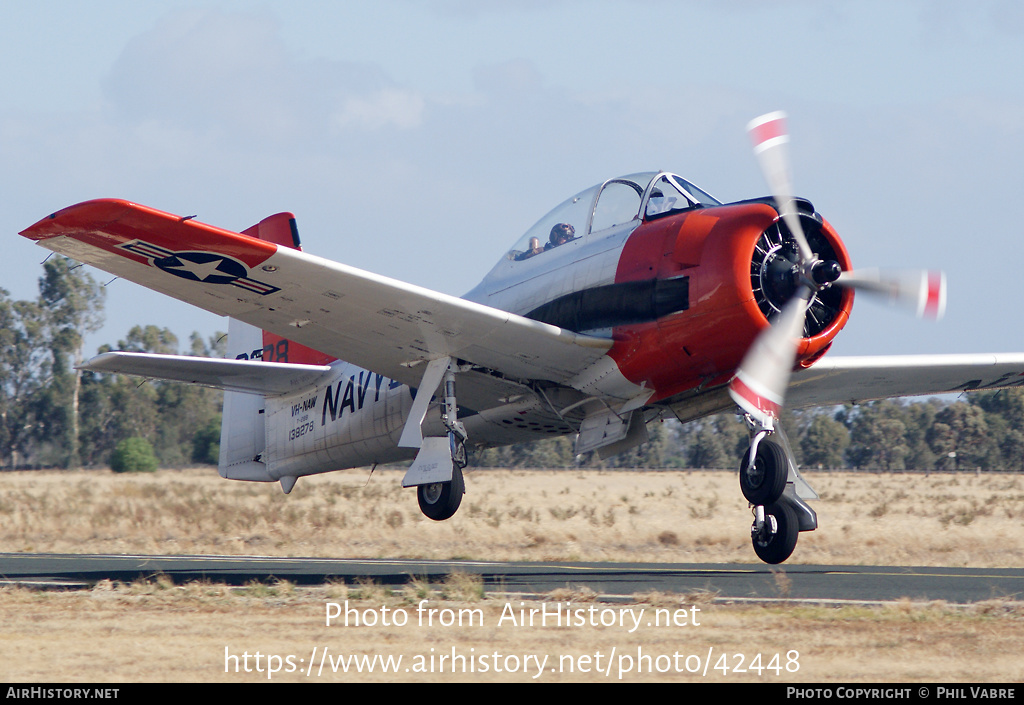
(730, 581)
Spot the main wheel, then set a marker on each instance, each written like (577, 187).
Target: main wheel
(766, 481)
(776, 547)
(440, 500)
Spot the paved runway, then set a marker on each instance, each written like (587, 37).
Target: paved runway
(755, 581)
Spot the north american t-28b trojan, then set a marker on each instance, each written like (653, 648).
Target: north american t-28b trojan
(642, 298)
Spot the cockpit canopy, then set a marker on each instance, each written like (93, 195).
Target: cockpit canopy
(617, 201)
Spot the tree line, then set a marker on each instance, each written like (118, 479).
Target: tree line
(978, 431)
(53, 415)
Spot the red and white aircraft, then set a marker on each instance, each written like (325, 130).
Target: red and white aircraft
(641, 298)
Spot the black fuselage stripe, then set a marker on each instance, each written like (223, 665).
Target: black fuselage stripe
(616, 304)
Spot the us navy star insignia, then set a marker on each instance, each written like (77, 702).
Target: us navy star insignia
(198, 266)
(200, 270)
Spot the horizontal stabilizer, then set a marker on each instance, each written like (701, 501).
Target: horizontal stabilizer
(250, 376)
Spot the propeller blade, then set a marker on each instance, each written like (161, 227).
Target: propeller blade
(923, 291)
(770, 137)
(759, 386)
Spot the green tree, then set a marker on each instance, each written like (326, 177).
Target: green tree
(877, 436)
(73, 302)
(1004, 416)
(960, 439)
(660, 450)
(168, 414)
(715, 442)
(1012, 450)
(824, 442)
(206, 443)
(545, 453)
(149, 339)
(918, 418)
(25, 373)
(133, 454)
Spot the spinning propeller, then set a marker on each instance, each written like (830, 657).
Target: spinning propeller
(759, 386)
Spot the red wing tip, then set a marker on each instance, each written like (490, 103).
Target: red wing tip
(79, 213)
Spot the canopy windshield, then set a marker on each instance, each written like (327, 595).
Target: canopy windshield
(615, 202)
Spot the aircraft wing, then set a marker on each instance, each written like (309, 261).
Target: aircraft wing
(251, 376)
(377, 323)
(850, 380)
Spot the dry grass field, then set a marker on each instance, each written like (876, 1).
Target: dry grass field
(678, 516)
(156, 631)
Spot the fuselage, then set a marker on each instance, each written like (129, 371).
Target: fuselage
(682, 291)
(681, 286)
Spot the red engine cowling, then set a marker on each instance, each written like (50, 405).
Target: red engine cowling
(738, 260)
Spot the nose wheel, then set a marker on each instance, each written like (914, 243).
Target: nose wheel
(774, 532)
(763, 479)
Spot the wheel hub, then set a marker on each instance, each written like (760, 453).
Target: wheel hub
(432, 492)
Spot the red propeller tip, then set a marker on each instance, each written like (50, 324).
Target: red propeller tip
(935, 302)
(768, 130)
(761, 405)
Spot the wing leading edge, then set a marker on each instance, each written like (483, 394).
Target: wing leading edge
(851, 380)
(372, 321)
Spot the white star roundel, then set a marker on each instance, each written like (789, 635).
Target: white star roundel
(203, 267)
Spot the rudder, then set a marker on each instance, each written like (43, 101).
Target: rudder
(243, 437)
(281, 229)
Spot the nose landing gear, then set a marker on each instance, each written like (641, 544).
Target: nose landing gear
(763, 471)
(776, 491)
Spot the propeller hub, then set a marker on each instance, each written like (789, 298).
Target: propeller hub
(778, 274)
(824, 273)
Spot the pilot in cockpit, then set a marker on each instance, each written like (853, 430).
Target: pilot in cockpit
(534, 249)
(560, 234)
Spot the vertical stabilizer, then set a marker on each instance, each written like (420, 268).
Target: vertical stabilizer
(243, 435)
(281, 229)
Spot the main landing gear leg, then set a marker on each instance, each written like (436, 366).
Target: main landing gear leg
(437, 470)
(440, 500)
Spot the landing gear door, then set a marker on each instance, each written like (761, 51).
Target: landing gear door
(600, 429)
(803, 490)
(432, 464)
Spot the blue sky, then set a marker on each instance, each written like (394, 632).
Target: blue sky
(420, 139)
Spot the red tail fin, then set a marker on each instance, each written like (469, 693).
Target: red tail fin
(281, 230)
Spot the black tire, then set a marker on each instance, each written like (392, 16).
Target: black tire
(776, 548)
(766, 482)
(440, 500)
